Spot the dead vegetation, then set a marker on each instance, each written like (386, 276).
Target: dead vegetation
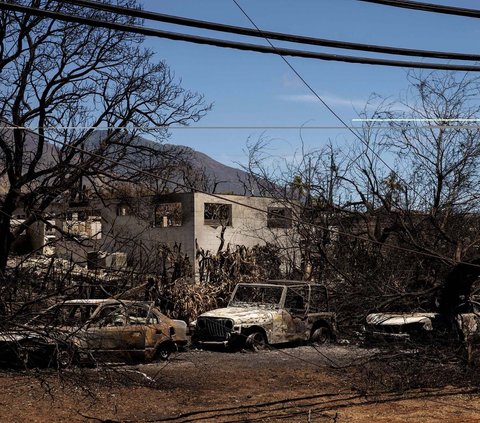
(401, 370)
(218, 275)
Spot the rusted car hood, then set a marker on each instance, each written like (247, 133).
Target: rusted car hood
(243, 315)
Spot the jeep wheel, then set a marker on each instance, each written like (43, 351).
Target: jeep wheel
(256, 341)
(163, 352)
(321, 335)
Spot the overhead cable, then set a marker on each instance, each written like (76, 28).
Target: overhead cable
(428, 7)
(232, 44)
(213, 26)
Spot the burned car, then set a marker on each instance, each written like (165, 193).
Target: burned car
(274, 312)
(424, 327)
(91, 330)
(400, 327)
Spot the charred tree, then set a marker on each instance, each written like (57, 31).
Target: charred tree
(68, 80)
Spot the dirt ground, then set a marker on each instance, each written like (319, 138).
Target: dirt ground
(302, 384)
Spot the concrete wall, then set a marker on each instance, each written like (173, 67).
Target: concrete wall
(36, 239)
(137, 235)
(131, 228)
(248, 225)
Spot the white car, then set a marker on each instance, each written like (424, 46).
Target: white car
(278, 311)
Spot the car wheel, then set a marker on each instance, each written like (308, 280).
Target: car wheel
(163, 352)
(321, 335)
(64, 358)
(256, 341)
(24, 358)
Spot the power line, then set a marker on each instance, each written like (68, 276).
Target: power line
(428, 7)
(233, 44)
(272, 48)
(436, 256)
(214, 26)
(253, 127)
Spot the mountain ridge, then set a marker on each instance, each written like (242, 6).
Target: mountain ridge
(209, 174)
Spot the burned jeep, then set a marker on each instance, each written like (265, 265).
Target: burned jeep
(275, 312)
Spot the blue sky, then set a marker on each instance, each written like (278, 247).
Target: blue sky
(255, 89)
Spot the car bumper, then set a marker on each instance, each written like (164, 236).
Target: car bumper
(206, 339)
(374, 336)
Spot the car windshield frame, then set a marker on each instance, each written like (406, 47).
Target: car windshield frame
(257, 295)
(65, 315)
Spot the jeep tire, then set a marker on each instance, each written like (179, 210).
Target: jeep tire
(256, 341)
(321, 335)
